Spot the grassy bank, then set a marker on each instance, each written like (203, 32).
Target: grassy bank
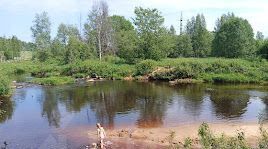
(214, 70)
(8, 70)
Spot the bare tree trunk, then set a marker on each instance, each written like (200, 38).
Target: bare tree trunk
(99, 42)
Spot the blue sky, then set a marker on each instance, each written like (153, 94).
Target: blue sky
(17, 15)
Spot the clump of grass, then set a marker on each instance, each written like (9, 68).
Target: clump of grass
(187, 143)
(209, 141)
(263, 140)
(53, 80)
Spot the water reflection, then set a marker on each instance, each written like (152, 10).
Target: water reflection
(6, 109)
(193, 96)
(141, 104)
(229, 103)
(50, 107)
(264, 115)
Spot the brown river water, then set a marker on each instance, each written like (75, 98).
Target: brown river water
(61, 116)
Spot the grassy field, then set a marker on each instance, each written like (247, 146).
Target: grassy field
(213, 70)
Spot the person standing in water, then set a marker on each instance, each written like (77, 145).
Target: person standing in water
(101, 134)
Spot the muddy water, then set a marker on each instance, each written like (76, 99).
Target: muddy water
(61, 117)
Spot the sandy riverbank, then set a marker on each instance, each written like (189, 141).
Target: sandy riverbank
(132, 137)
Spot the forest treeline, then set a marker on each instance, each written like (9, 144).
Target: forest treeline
(144, 37)
(113, 47)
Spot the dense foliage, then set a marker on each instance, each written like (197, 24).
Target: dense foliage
(235, 38)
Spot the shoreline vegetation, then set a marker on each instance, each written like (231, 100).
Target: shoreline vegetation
(176, 71)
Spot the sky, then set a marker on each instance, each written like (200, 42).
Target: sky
(17, 15)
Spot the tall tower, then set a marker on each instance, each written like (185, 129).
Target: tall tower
(181, 24)
(80, 24)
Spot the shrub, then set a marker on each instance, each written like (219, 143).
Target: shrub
(4, 86)
(145, 67)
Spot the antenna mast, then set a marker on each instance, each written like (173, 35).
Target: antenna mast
(181, 24)
(80, 29)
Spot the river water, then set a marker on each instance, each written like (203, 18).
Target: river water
(59, 117)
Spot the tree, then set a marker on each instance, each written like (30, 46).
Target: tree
(127, 44)
(224, 18)
(263, 50)
(200, 37)
(259, 40)
(183, 47)
(172, 30)
(234, 39)
(120, 23)
(41, 30)
(57, 49)
(98, 29)
(15, 46)
(10, 47)
(41, 35)
(155, 41)
(76, 50)
(126, 39)
(259, 36)
(65, 32)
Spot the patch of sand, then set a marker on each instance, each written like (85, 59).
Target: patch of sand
(133, 137)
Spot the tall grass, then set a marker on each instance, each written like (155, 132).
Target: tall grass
(210, 141)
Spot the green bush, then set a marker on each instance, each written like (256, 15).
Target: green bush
(145, 67)
(4, 86)
(103, 69)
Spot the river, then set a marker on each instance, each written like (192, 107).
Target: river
(51, 117)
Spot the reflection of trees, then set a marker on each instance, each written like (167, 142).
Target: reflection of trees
(229, 103)
(50, 108)
(152, 103)
(193, 95)
(264, 115)
(6, 109)
(108, 99)
(151, 112)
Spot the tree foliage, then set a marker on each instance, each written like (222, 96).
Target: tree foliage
(263, 51)
(98, 29)
(41, 30)
(235, 38)
(200, 37)
(183, 47)
(76, 50)
(126, 39)
(154, 39)
(65, 32)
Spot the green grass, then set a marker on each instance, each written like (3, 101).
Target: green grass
(53, 80)
(212, 70)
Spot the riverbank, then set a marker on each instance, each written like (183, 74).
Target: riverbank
(176, 71)
(164, 137)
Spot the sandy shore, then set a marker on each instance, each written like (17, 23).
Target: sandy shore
(158, 137)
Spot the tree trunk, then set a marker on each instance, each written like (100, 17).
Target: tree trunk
(99, 42)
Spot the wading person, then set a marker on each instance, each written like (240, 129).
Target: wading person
(101, 134)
